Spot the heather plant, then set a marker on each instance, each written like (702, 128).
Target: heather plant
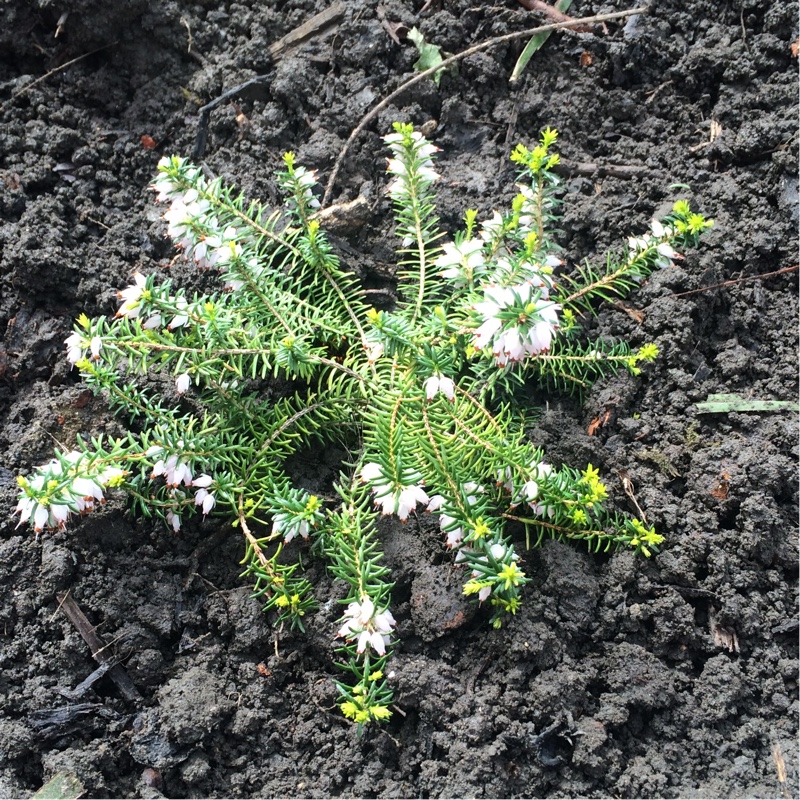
(288, 355)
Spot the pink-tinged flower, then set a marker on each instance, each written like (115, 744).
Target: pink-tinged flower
(162, 467)
(40, 518)
(391, 497)
(174, 471)
(435, 503)
(205, 251)
(205, 499)
(88, 491)
(439, 383)
(485, 333)
(59, 514)
(505, 478)
(132, 296)
(666, 255)
(174, 520)
(454, 532)
(182, 474)
(290, 526)
(183, 382)
(408, 499)
(24, 508)
(361, 623)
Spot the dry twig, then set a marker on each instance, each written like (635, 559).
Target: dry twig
(44, 77)
(99, 649)
(739, 280)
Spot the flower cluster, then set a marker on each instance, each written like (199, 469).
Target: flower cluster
(139, 295)
(517, 321)
(202, 496)
(79, 345)
(300, 512)
(644, 538)
(393, 497)
(494, 569)
(196, 227)
(176, 472)
(67, 485)
(659, 239)
(366, 627)
(449, 517)
(412, 167)
(462, 262)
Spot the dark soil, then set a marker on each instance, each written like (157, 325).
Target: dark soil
(674, 677)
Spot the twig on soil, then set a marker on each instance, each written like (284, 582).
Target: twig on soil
(627, 487)
(53, 72)
(739, 280)
(85, 628)
(190, 45)
(744, 30)
(652, 96)
(452, 60)
(585, 169)
(318, 24)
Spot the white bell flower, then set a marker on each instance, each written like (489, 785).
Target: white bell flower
(183, 382)
(439, 383)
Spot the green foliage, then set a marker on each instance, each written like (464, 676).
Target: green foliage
(225, 387)
(536, 43)
(430, 55)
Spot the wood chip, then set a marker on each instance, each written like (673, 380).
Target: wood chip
(317, 25)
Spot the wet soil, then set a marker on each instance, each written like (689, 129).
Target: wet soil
(674, 677)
